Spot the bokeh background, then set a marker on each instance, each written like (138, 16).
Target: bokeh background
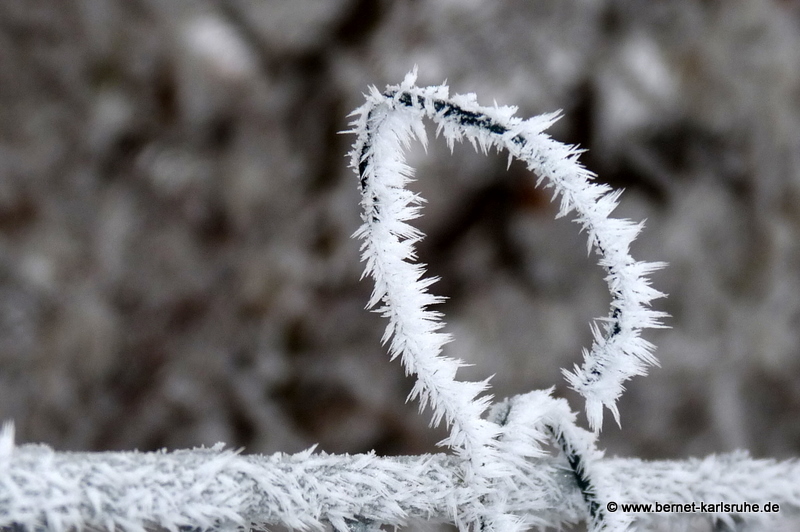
(176, 266)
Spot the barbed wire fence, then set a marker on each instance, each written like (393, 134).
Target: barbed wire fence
(498, 474)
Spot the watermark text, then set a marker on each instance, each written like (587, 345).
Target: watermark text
(695, 507)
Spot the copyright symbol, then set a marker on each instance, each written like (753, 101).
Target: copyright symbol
(612, 506)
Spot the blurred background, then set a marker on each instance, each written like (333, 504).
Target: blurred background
(176, 266)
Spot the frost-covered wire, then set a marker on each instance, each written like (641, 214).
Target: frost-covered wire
(205, 489)
(537, 417)
(385, 125)
(218, 489)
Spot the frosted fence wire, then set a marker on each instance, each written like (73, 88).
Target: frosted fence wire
(219, 489)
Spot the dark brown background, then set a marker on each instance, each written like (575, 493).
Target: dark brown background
(176, 266)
